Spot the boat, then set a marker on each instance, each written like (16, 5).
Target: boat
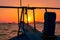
(30, 33)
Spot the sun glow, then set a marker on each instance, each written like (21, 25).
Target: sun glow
(29, 19)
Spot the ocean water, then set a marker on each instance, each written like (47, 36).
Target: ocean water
(8, 31)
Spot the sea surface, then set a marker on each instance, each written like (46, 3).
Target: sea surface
(8, 31)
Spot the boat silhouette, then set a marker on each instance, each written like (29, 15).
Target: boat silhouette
(30, 33)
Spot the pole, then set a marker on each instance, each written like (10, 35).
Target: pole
(18, 21)
(34, 20)
(18, 15)
(20, 2)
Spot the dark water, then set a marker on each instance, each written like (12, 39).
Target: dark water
(8, 31)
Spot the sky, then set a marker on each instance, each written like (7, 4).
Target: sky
(10, 15)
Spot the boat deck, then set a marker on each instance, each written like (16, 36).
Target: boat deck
(30, 34)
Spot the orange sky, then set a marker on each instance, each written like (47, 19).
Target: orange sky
(10, 15)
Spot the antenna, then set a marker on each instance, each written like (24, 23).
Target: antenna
(28, 5)
(20, 2)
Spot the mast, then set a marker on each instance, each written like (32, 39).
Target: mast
(19, 19)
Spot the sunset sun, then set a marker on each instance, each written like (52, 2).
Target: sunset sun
(29, 19)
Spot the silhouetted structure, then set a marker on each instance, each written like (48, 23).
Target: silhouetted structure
(49, 26)
(29, 32)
